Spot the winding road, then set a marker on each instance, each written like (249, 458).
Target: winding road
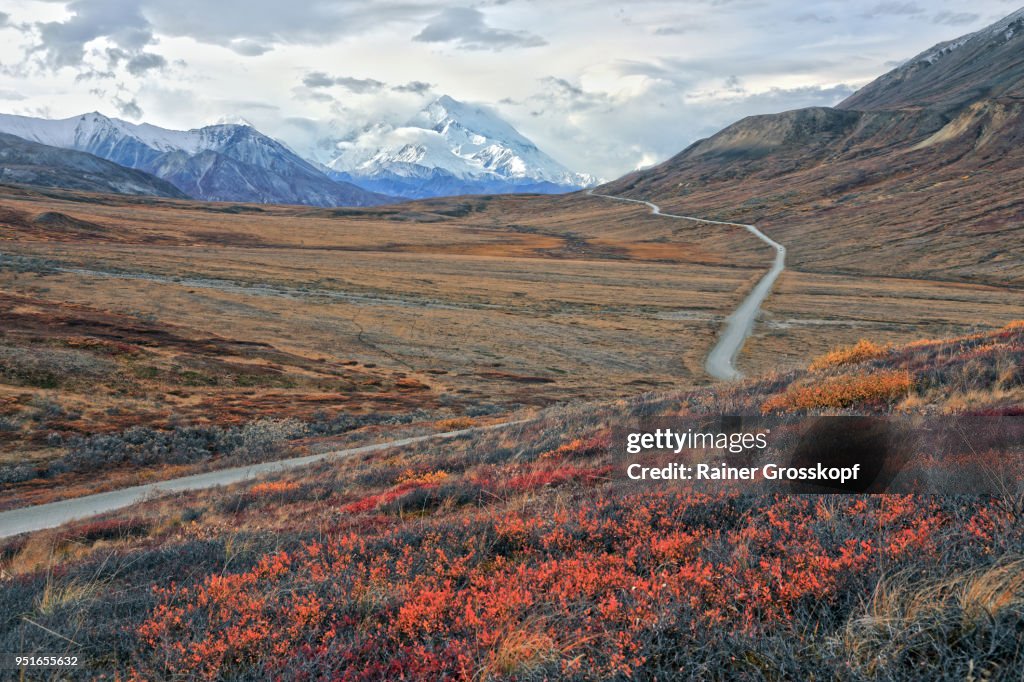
(721, 361)
(720, 364)
(38, 517)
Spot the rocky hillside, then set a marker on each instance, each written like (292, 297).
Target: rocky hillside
(30, 163)
(982, 65)
(921, 169)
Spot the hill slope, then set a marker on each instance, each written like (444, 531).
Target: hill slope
(922, 169)
(30, 163)
(982, 65)
(529, 555)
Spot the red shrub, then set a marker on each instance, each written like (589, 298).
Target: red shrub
(456, 598)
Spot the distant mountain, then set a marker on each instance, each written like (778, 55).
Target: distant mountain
(920, 173)
(226, 162)
(31, 163)
(448, 148)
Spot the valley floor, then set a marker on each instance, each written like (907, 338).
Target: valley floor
(150, 338)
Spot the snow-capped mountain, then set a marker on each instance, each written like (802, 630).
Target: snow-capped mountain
(224, 162)
(449, 148)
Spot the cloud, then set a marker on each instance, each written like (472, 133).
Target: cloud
(11, 95)
(675, 30)
(815, 18)
(319, 79)
(251, 27)
(359, 85)
(129, 108)
(247, 48)
(563, 95)
(415, 87)
(247, 27)
(468, 29)
(895, 8)
(93, 74)
(624, 87)
(955, 18)
(141, 63)
(686, 73)
(610, 132)
(62, 43)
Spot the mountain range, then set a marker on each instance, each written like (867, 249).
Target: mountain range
(226, 162)
(933, 144)
(448, 148)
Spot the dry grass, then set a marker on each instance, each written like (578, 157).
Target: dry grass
(910, 622)
(525, 650)
(58, 594)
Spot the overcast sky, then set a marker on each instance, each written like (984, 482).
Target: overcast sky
(602, 86)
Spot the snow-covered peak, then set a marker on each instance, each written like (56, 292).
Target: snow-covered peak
(451, 117)
(87, 131)
(233, 120)
(466, 141)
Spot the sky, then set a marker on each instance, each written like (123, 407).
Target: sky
(603, 87)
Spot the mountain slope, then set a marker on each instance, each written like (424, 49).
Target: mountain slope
(919, 174)
(31, 163)
(985, 64)
(449, 148)
(227, 162)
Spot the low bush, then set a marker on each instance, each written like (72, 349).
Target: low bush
(653, 586)
(108, 529)
(862, 351)
(50, 367)
(862, 389)
(273, 488)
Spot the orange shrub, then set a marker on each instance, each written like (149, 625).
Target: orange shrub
(273, 488)
(843, 391)
(848, 355)
(454, 424)
(579, 448)
(427, 478)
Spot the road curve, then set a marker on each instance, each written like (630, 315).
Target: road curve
(38, 517)
(721, 361)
